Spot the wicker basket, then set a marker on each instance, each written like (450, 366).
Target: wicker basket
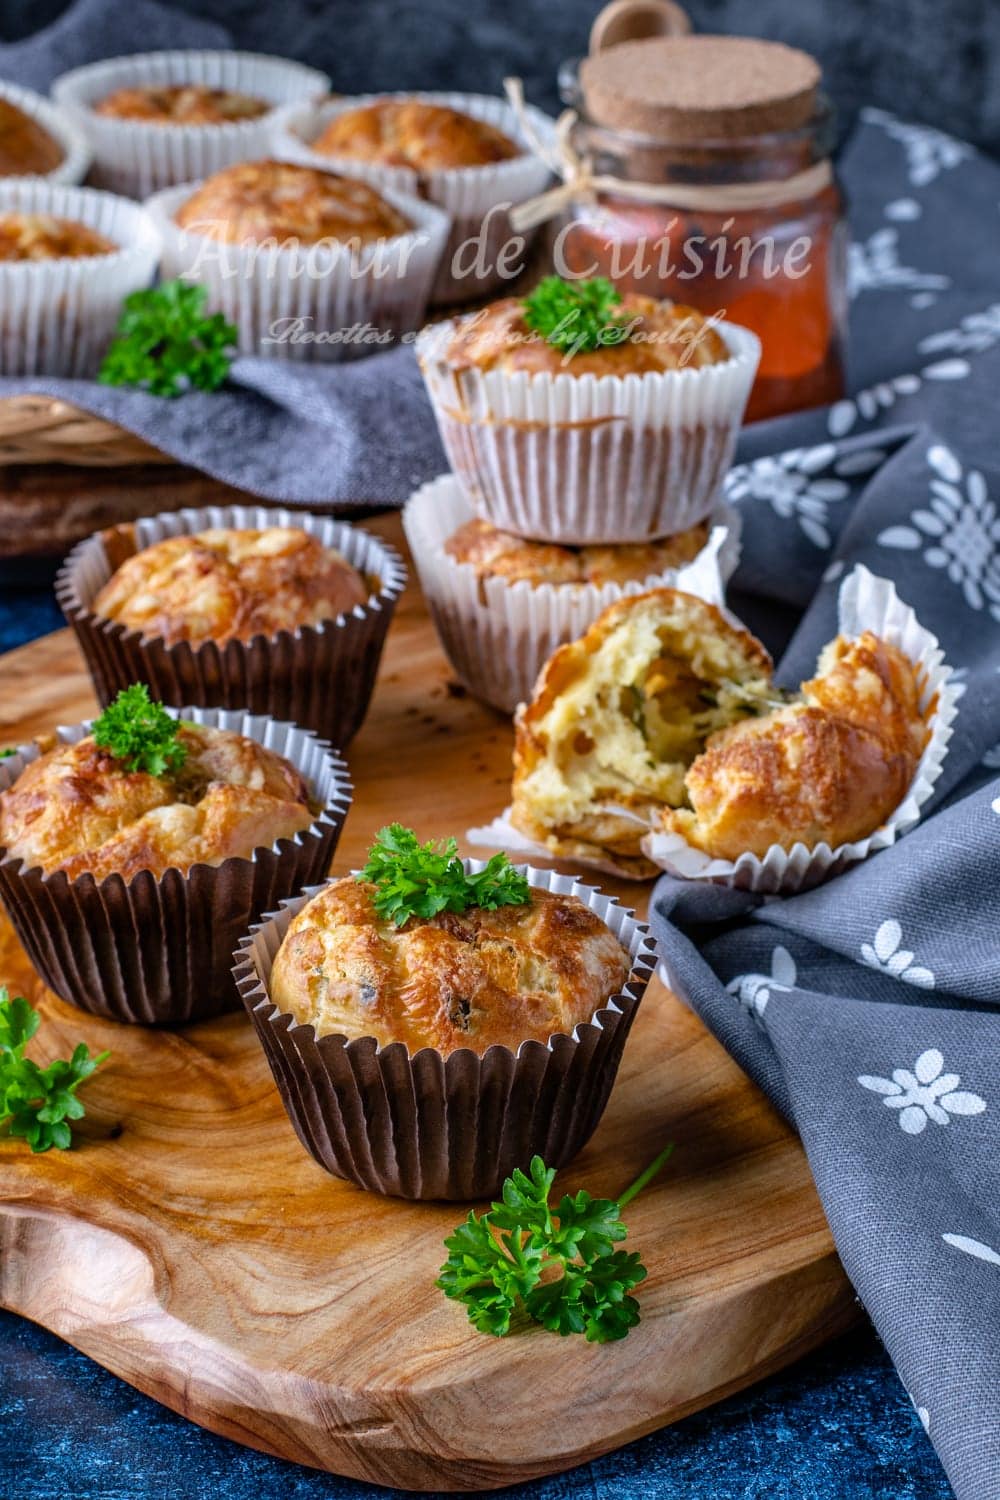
(40, 430)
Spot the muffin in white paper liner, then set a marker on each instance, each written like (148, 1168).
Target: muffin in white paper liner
(866, 602)
(476, 198)
(577, 459)
(157, 950)
(321, 675)
(498, 634)
(57, 317)
(427, 1125)
(60, 125)
(137, 157)
(313, 302)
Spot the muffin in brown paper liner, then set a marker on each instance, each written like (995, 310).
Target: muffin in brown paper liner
(320, 676)
(159, 951)
(430, 1126)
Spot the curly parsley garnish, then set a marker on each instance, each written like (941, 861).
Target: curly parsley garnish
(6, 753)
(140, 733)
(576, 316)
(166, 344)
(37, 1104)
(502, 1261)
(419, 880)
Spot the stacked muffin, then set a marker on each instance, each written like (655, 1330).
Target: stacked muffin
(589, 435)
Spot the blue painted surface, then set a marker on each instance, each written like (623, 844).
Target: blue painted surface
(838, 1426)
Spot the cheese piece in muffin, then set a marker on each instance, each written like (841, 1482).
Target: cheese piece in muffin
(278, 201)
(661, 336)
(231, 584)
(501, 554)
(619, 715)
(77, 809)
(828, 768)
(414, 133)
(25, 236)
(180, 104)
(470, 979)
(26, 149)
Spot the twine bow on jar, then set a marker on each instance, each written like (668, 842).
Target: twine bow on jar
(579, 180)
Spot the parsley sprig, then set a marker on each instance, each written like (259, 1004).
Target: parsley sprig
(140, 733)
(166, 344)
(419, 880)
(37, 1104)
(503, 1260)
(576, 316)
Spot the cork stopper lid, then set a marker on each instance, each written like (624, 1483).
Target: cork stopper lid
(691, 88)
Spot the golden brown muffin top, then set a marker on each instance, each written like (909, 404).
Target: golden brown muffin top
(413, 133)
(77, 809)
(180, 104)
(501, 554)
(277, 200)
(230, 585)
(472, 979)
(43, 237)
(26, 149)
(662, 336)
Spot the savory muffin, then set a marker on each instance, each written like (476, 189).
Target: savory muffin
(414, 133)
(619, 715)
(80, 810)
(473, 979)
(26, 148)
(500, 554)
(827, 768)
(180, 104)
(280, 201)
(231, 585)
(654, 337)
(38, 236)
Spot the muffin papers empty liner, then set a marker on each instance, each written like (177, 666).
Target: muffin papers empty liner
(320, 676)
(866, 603)
(57, 317)
(428, 1125)
(498, 634)
(327, 301)
(60, 125)
(139, 156)
(575, 459)
(476, 198)
(159, 951)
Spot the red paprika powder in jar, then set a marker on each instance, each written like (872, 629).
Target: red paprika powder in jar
(712, 185)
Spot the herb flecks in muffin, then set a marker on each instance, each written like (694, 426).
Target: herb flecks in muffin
(166, 344)
(576, 316)
(420, 880)
(140, 733)
(37, 1104)
(503, 1262)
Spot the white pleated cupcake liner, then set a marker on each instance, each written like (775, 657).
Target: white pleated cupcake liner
(60, 125)
(866, 602)
(498, 634)
(432, 1126)
(138, 157)
(314, 302)
(475, 198)
(577, 459)
(57, 317)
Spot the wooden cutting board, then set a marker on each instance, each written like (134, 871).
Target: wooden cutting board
(190, 1245)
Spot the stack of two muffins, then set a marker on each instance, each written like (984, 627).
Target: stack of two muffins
(585, 467)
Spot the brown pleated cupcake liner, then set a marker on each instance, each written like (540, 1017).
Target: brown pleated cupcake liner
(159, 950)
(430, 1126)
(321, 677)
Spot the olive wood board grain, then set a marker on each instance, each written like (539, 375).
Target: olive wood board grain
(189, 1244)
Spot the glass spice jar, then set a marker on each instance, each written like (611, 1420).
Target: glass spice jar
(755, 249)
